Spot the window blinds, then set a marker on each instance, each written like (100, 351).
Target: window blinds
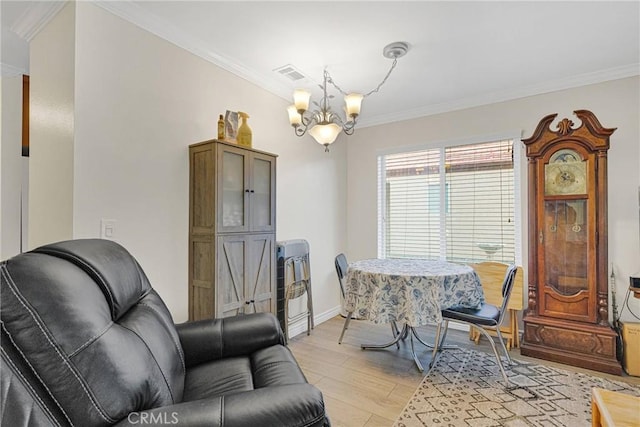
(454, 203)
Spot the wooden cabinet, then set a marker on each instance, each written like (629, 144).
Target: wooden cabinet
(231, 230)
(567, 317)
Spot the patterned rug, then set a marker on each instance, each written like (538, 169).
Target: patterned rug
(466, 389)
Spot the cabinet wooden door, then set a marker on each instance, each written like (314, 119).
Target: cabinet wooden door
(260, 284)
(245, 282)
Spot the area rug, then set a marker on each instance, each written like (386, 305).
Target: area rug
(465, 388)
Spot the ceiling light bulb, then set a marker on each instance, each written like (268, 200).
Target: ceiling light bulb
(301, 100)
(353, 103)
(325, 134)
(294, 117)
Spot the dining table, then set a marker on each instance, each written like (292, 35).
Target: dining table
(411, 292)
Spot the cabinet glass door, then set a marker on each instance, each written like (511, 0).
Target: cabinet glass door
(262, 195)
(232, 195)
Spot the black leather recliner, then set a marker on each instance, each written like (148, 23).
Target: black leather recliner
(86, 341)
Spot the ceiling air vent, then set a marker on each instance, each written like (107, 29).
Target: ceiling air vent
(290, 72)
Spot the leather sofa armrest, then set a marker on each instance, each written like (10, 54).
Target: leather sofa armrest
(297, 405)
(212, 339)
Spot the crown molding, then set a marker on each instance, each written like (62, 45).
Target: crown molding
(8, 70)
(35, 17)
(133, 13)
(585, 79)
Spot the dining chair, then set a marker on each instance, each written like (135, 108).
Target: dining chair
(486, 316)
(297, 282)
(350, 303)
(341, 270)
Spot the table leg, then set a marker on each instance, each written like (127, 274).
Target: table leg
(395, 332)
(413, 351)
(411, 332)
(398, 337)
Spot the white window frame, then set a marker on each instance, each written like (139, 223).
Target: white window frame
(515, 136)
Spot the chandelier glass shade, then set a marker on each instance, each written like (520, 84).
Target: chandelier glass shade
(322, 123)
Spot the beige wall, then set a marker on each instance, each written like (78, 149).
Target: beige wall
(10, 167)
(139, 102)
(615, 103)
(51, 147)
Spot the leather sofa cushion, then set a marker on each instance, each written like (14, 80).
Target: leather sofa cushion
(274, 366)
(217, 378)
(122, 286)
(271, 366)
(64, 312)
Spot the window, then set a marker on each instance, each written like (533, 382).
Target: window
(455, 203)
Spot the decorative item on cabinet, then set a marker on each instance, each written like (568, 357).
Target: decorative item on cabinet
(231, 230)
(231, 125)
(221, 126)
(567, 319)
(244, 131)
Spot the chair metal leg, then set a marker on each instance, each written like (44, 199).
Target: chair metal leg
(310, 307)
(437, 343)
(346, 325)
(286, 320)
(495, 351)
(504, 348)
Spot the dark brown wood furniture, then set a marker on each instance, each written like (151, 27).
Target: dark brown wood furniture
(567, 319)
(232, 226)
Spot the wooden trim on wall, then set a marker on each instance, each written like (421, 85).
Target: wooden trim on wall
(25, 116)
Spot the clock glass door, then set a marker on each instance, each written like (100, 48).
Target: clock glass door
(564, 237)
(565, 246)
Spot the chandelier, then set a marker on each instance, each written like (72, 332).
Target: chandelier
(322, 123)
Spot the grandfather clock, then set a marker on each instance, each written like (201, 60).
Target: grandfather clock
(567, 318)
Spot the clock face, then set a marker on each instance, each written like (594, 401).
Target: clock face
(565, 174)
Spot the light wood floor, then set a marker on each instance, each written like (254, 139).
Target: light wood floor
(371, 387)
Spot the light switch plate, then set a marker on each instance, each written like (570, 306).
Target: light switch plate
(108, 229)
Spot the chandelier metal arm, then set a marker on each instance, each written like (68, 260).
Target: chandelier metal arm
(377, 88)
(308, 120)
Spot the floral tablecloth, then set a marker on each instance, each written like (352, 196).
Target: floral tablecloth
(411, 291)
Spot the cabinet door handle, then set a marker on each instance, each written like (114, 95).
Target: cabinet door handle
(540, 236)
(247, 302)
(246, 191)
(252, 191)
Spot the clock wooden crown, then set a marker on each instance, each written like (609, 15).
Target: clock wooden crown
(591, 134)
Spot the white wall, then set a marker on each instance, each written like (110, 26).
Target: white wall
(139, 102)
(615, 104)
(51, 126)
(10, 167)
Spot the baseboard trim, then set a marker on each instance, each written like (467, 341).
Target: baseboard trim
(301, 325)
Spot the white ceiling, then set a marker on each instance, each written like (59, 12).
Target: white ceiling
(462, 53)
